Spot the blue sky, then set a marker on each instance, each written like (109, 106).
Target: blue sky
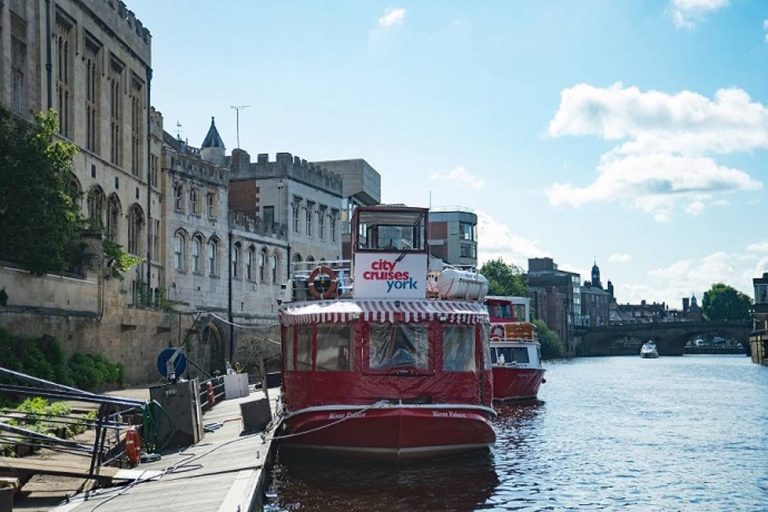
(635, 133)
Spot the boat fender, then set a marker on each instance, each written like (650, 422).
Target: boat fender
(133, 446)
(316, 272)
(211, 394)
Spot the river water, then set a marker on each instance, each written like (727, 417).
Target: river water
(619, 433)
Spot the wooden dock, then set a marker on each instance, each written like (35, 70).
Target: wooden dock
(226, 471)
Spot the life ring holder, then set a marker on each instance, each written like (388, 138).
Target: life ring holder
(322, 270)
(494, 332)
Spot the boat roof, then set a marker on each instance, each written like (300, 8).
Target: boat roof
(413, 311)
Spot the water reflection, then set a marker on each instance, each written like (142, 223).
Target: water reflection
(318, 482)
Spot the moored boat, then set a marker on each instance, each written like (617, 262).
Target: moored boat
(377, 368)
(515, 351)
(649, 350)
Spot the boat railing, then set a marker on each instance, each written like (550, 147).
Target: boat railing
(302, 270)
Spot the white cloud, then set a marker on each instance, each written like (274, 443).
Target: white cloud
(619, 258)
(693, 276)
(758, 246)
(765, 28)
(664, 158)
(392, 16)
(496, 240)
(686, 14)
(458, 176)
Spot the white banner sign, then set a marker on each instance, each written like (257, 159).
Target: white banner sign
(380, 275)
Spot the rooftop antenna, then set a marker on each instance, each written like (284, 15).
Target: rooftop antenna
(178, 130)
(238, 108)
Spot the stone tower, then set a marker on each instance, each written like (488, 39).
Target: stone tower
(596, 276)
(212, 149)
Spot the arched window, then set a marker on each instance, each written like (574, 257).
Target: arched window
(96, 207)
(249, 257)
(135, 229)
(262, 265)
(297, 258)
(213, 260)
(74, 190)
(197, 246)
(179, 243)
(113, 217)
(236, 260)
(310, 259)
(273, 267)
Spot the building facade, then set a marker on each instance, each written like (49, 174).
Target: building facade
(291, 192)
(91, 62)
(758, 338)
(556, 298)
(595, 301)
(360, 186)
(453, 236)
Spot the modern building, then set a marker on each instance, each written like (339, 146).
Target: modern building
(91, 61)
(758, 338)
(556, 298)
(361, 186)
(453, 235)
(293, 192)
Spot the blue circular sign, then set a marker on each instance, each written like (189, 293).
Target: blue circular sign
(176, 358)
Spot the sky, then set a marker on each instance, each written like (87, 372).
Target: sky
(633, 134)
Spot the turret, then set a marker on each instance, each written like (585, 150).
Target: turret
(212, 149)
(596, 276)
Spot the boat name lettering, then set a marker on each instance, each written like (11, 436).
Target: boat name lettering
(342, 415)
(448, 414)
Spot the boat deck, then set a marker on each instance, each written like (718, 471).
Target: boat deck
(225, 471)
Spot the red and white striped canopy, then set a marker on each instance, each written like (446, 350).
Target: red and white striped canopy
(404, 310)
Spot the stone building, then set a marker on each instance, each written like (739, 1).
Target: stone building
(92, 63)
(556, 298)
(595, 301)
(453, 236)
(758, 338)
(305, 197)
(361, 186)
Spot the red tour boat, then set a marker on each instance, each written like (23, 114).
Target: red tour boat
(370, 364)
(516, 355)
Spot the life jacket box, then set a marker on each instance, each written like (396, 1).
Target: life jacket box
(181, 400)
(235, 385)
(256, 415)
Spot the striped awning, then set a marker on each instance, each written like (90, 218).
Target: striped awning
(404, 310)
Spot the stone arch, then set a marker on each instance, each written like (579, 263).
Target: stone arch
(212, 338)
(74, 189)
(136, 223)
(114, 213)
(96, 203)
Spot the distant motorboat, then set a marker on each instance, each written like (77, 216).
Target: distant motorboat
(649, 350)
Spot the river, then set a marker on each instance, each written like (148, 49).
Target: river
(618, 433)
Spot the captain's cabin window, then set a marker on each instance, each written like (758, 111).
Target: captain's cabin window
(335, 348)
(391, 231)
(506, 355)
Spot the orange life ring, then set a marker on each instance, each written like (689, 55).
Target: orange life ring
(211, 395)
(133, 446)
(322, 270)
(497, 332)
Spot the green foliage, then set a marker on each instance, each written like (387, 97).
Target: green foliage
(504, 279)
(119, 261)
(39, 413)
(40, 220)
(551, 345)
(93, 370)
(724, 302)
(45, 358)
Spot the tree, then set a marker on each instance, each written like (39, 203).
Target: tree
(40, 220)
(724, 302)
(551, 346)
(504, 279)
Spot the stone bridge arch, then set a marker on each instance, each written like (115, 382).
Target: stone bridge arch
(670, 337)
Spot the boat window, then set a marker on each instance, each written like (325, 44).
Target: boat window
(458, 348)
(335, 348)
(304, 348)
(485, 340)
(391, 231)
(398, 346)
(511, 355)
(288, 344)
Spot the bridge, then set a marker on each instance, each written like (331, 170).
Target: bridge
(670, 337)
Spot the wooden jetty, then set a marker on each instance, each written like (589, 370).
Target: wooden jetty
(226, 471)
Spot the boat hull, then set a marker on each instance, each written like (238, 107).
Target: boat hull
(390, 432)
(511, 383)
